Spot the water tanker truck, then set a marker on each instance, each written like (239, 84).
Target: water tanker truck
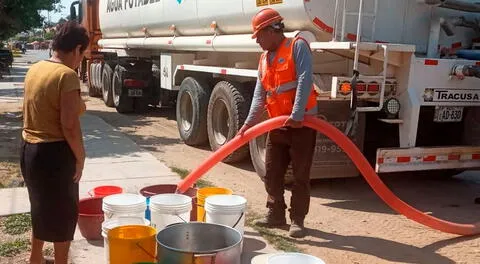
(400, 77)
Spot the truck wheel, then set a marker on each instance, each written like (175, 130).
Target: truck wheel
(227, 110)
(95, 77)
(99, 79)
(192, 102)
(91, 79)
(107, 76)
(257, 154)
(121, 101)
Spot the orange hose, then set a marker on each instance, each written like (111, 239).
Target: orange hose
(353, 152)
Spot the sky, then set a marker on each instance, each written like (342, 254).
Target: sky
(54, 17)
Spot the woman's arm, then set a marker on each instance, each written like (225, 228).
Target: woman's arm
(70, 110)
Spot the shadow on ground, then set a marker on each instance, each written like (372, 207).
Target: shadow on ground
(384, 249)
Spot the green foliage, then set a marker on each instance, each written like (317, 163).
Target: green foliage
(183, 173)
(21, 15)
(17, 224)
(49, 35)
(13, 248)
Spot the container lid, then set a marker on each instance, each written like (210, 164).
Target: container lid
(170, 200)
(124, 201)
(226, 200)
(293, 258)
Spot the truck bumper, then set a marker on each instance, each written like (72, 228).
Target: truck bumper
(434, 158)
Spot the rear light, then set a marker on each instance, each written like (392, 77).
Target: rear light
(361, 87)
(345, 88)
(392, 107)
(373, 88)
(134, 83)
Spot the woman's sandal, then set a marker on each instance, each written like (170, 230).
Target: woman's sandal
(48, 260)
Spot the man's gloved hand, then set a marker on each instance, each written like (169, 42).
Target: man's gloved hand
(292, 123)
(242, 130)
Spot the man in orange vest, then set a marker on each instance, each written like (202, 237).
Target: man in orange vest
(284, 87)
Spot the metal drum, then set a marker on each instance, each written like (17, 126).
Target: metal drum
(196, 242)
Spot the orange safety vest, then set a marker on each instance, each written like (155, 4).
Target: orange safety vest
(279, 79)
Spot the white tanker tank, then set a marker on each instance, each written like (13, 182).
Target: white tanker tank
(393, 21)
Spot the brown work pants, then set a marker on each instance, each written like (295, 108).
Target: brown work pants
(284, 145)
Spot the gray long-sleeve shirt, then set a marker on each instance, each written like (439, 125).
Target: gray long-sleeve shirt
(303, 66)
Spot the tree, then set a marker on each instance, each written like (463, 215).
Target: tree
(49, 35)
(21, 15)
(62, 20)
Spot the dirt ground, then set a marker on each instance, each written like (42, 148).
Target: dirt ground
(347, 222)
(10, 129)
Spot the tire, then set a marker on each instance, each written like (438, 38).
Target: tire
(191, 110)
(121, 101)
(227, 110)
(257, 148)
(107, 76)
(95, 77)
(99, 79)
(91, 79)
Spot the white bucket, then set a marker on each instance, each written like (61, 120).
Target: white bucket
(226, 210)
(169, 208)
(293, 258)
(124, 205)
(116, 222)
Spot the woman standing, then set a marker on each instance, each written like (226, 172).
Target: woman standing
(52, 154)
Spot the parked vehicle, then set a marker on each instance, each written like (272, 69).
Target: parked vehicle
(6, 60)
(401, 77)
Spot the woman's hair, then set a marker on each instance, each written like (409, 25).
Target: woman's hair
(69, 36)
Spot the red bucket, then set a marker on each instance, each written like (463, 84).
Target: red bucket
(171, 188)
(106, 190)
(90, 218)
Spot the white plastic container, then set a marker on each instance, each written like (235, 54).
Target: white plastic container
(293, 258)
(226, 210)
(169, 208)
(116, 222)
(124, 205)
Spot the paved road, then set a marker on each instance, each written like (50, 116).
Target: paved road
(11, 86)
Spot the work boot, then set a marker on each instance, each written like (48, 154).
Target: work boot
(297, 229)
(274, 218)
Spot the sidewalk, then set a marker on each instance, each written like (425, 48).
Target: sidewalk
(112, 159)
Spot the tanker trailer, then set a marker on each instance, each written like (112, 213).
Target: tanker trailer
(398, 76)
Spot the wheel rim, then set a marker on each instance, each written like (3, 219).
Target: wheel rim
(220, 122)
(261, 143)
(186, 111)
(105, 87)
(116, 89)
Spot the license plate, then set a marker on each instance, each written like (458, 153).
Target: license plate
(448, 114)
(135, 92)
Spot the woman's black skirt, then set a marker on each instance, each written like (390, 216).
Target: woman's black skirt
(48, 170)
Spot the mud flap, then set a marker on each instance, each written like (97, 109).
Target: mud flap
(329, 160)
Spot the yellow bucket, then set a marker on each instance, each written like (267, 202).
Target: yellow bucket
(132, 244)
(202, 194)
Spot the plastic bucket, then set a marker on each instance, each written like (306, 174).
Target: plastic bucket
(293, 258)
(124, 205)
(132, 244)
(106, 190)
(116, 222)
(202, 194)
(90, 218)
(169, 188)
(169, 208)
(226, 210)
